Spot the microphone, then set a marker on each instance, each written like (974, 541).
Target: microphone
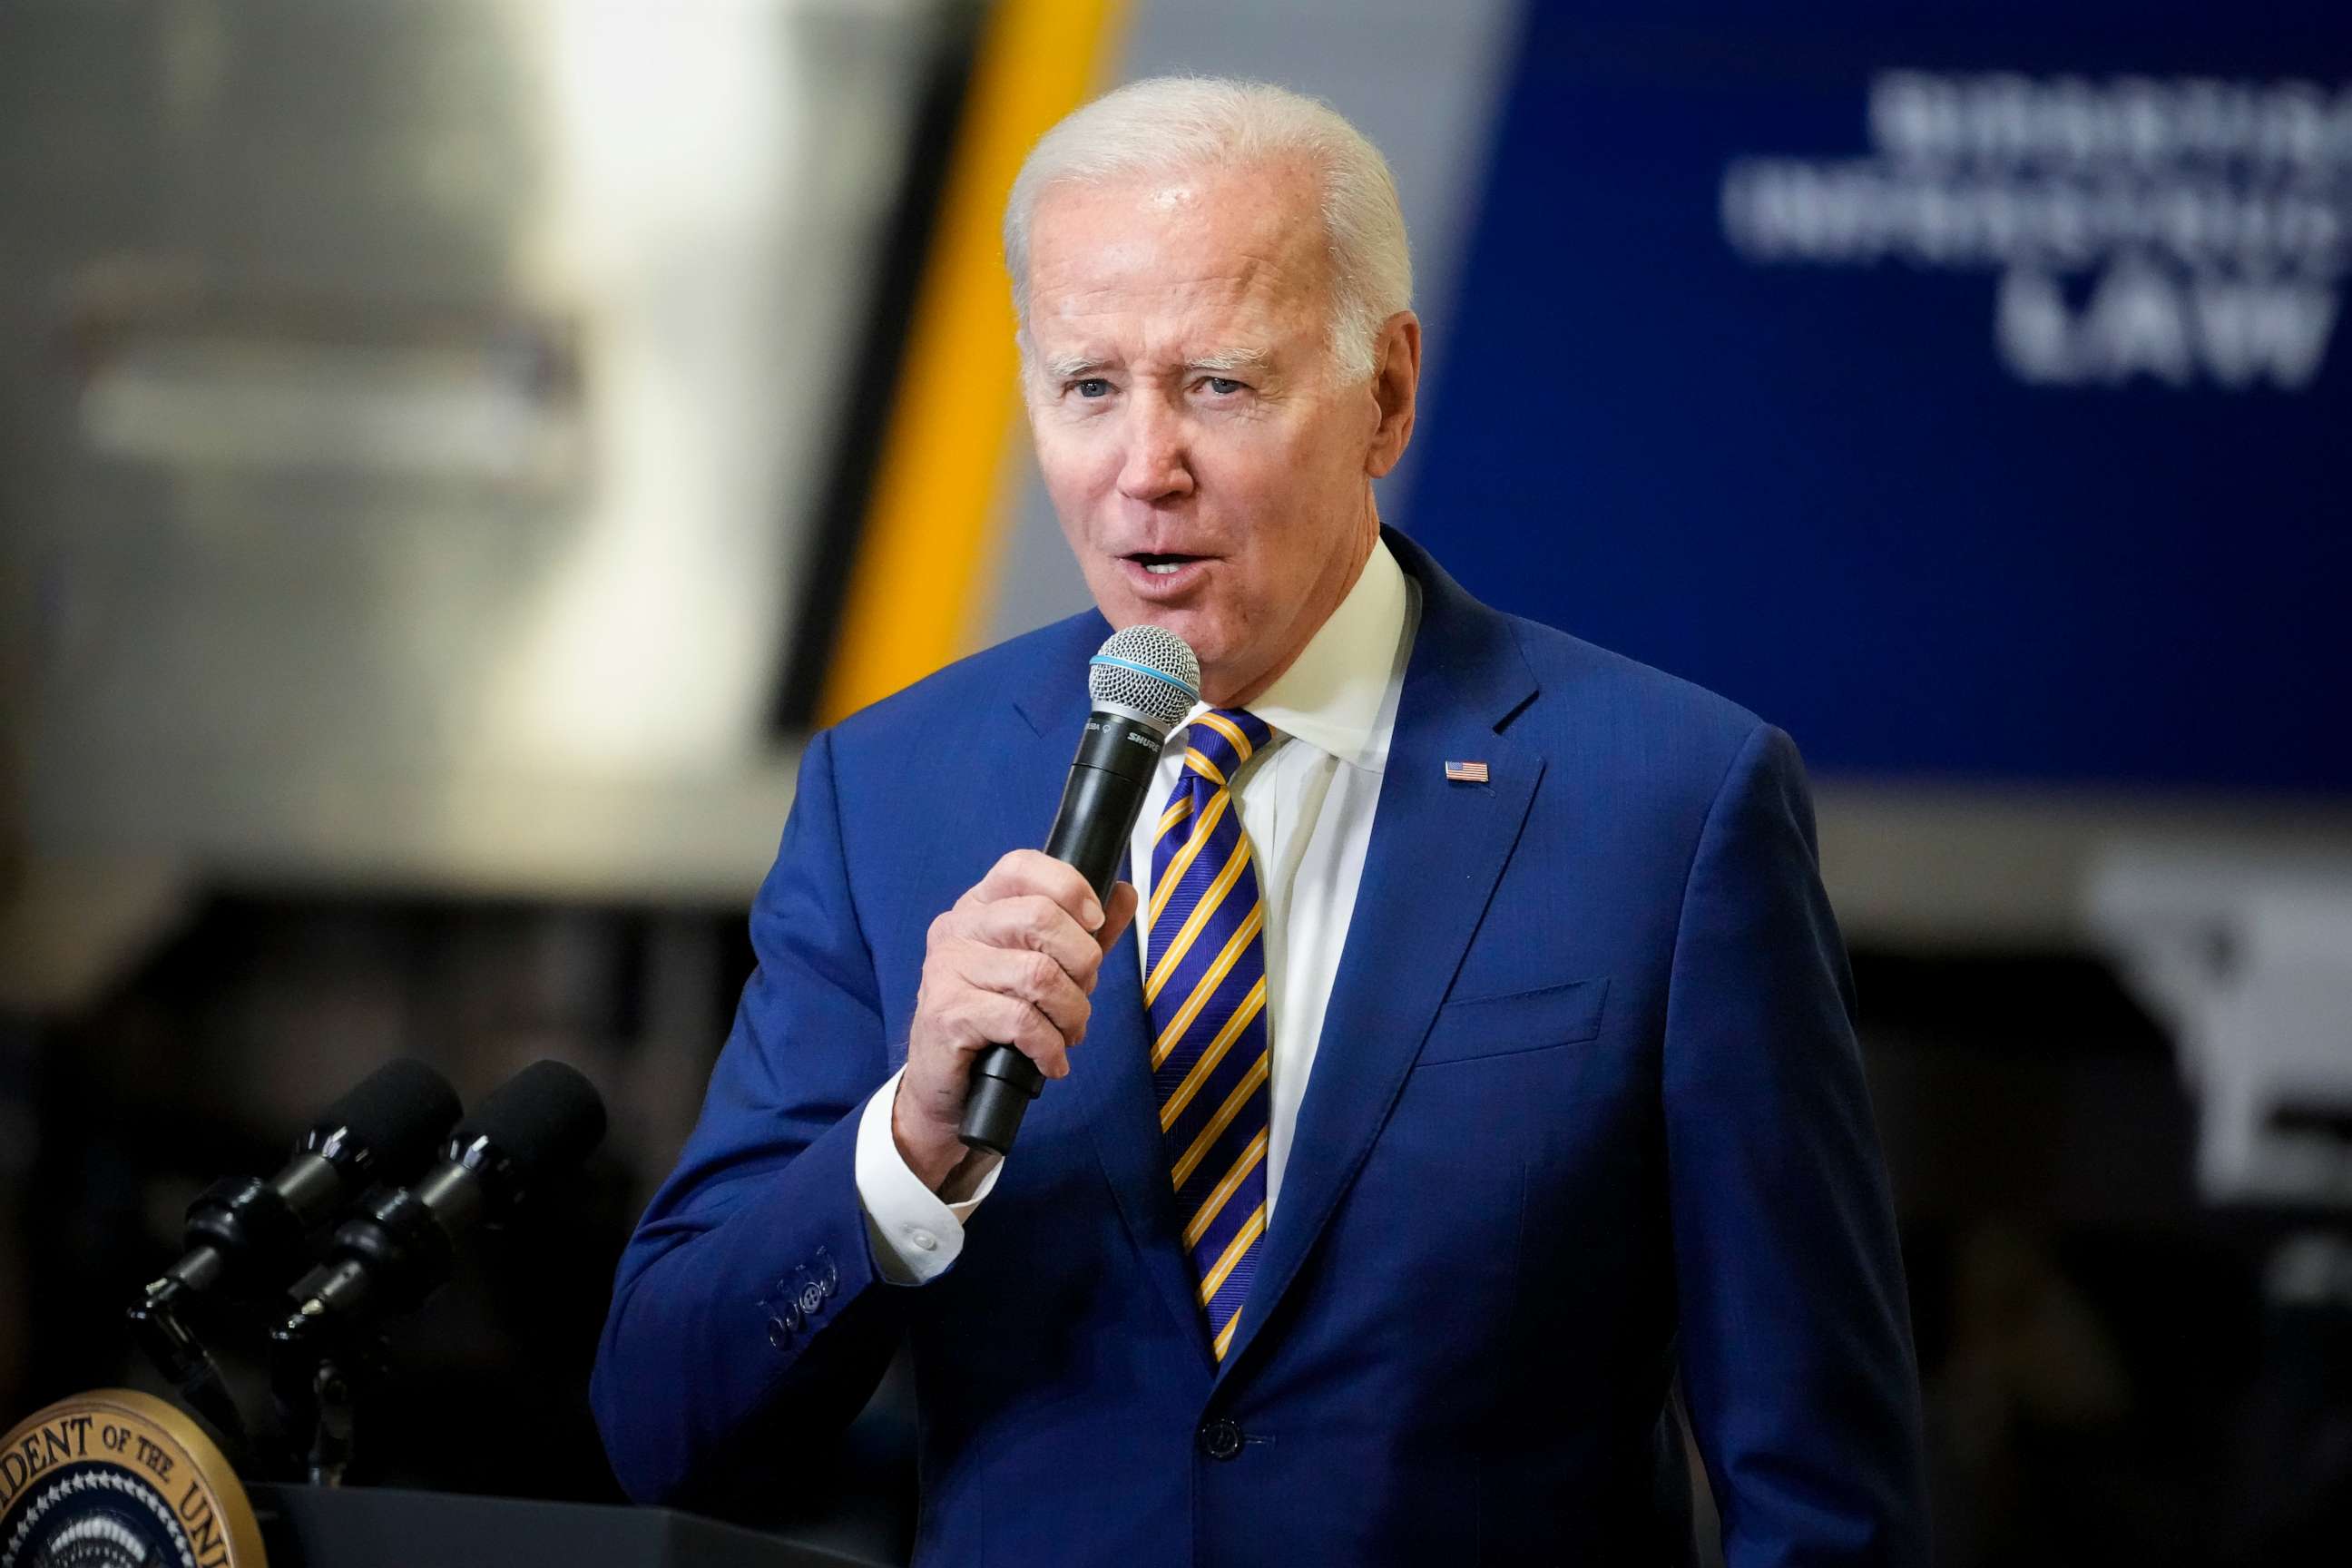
(403, 1242)
(1143, 681)
(241, 1229)
(245, 1235)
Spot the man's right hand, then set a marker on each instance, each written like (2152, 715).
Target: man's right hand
(1012, 963)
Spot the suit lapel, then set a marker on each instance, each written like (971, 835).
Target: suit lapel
(1437, 849)
(1109, 1086)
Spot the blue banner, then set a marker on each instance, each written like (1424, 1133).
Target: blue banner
(1968, 395)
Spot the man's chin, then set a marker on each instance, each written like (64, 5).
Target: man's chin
(1185, 620)
(1199, 631)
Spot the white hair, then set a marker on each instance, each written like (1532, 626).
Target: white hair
(1173, 124)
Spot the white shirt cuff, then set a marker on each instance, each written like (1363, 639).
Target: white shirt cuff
(916, 1236)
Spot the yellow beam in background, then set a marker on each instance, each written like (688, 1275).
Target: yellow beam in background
(909, 599)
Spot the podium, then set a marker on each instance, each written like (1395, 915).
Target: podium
(364, 1527)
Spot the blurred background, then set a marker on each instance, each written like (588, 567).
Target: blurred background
(452, 453)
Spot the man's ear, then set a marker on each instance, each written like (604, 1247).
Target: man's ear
(1396, 386)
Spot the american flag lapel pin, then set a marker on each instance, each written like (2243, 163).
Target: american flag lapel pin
(1467, 773)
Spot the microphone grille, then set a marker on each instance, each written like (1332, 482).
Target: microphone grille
(1148, 669)
(390, 1122)
(546, 1117)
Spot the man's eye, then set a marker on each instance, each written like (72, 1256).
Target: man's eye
(1222, 386)
(1091, 387)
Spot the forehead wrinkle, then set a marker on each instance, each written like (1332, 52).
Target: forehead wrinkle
(1222, 315)
(1242, 282)
(1177, 294)
(1249, 300)
(1265, 214)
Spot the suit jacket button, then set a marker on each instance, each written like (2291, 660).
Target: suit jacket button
(780, 1334)
(1219, 1439)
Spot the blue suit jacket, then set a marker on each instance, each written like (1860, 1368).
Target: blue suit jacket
(1586, 1105)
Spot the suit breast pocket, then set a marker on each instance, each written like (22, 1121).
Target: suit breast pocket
(1481, 1027)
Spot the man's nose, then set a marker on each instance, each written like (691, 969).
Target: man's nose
(1158, 465)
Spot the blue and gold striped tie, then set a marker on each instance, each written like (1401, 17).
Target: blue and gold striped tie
(1206, 996)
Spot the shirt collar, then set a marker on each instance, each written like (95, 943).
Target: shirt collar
(1334, 695)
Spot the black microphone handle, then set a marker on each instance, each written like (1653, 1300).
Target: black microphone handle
(1108, 780)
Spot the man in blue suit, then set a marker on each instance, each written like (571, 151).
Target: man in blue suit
(1470, 1051)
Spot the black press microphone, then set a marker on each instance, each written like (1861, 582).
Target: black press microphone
(245, 1235)
(1144, 681)
(403, 1243)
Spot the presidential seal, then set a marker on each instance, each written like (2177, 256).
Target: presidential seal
(120, 1479)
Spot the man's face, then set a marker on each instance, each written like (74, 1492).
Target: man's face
(1210, 471)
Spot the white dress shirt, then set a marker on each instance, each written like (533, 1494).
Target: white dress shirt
(1306, 803)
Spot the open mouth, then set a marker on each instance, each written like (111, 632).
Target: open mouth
(1160, 565)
